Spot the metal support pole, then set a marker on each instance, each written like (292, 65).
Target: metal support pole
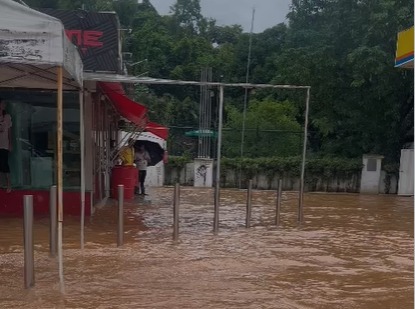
(120, 230)
(107, 144)
(82, 149)
(29, 261)
(217, 184)
(301, 199)
(53, 230)
(249, 204)
(248, 67)
(279, 199)
(59, 175)
(176, 206)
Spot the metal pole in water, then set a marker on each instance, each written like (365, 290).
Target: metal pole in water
(176, 205)
(82, 146)
(59, 174)
(249, 204)
(53, 230)
(279, 199)
(217, 178)
(301, 199)
(29, 261)
(120, 231)
(248, 67)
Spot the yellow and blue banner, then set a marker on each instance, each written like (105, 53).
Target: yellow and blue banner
(405, 49)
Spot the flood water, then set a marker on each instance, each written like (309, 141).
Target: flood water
(353, 251)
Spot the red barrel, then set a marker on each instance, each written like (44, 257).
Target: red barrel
(123, 175)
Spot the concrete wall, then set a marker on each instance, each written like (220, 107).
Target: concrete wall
(388, 183)
(155, 175)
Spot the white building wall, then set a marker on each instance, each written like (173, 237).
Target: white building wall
(371, 174)
(406, 173)
(203, 172)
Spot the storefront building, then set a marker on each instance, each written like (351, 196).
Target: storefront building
(92, 112)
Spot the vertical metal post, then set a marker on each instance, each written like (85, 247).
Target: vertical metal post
(107, 144)
(176, 206)
(301, 199)
(59, 172)
(279, 199)
(248, 67)
(82, 151)
(100, 147)
(120, 230)
(217, 184)
(249, 204)
(53, 231)
(29, 261)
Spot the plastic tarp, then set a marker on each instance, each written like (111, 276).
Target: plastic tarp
(132, 111)
(32, 46)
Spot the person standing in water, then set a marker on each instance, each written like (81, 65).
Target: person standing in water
(142, 158)
(5, 142)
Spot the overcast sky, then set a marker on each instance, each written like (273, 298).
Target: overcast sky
(268, 13)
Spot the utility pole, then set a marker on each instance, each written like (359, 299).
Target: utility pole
(248, 69)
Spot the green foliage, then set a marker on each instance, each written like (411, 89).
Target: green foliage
(324, 168)
(187, 13)
(391, 168)
(178, 162)
(344, 49)
(271, 130)
(151, 40)
(291, 166)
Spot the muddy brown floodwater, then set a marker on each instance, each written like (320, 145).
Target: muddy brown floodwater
(353, 251)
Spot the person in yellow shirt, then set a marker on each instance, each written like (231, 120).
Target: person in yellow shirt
(127, 153)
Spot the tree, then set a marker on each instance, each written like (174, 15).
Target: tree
(150, 40)
(271, 130)
(345, 49)
(187, 14)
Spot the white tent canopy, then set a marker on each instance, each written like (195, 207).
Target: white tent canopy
(32, 46)
(35, 54)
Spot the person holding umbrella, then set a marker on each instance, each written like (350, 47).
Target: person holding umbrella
(141, 159)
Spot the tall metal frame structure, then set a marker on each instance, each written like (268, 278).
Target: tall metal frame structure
(221, 87)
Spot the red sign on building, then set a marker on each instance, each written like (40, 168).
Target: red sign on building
(85, 39)
(96, 35)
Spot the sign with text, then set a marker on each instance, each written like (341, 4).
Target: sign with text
(97, 36)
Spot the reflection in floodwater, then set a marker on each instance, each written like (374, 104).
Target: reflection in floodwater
(352, 252)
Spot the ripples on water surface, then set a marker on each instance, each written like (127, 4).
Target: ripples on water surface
(352, 252)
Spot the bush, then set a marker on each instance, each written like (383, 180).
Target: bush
(285, 167)
(291, 166)
(178, 162)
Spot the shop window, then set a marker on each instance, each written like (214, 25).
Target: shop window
(32, 161)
